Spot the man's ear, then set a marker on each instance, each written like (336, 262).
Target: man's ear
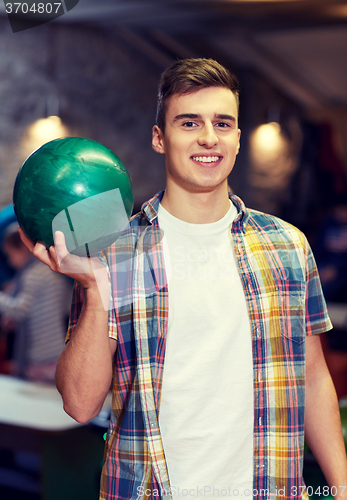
(157, 140)
(238, 146)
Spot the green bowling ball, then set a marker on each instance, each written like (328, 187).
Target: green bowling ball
(77, 186)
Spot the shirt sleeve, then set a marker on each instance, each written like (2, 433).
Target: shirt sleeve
(317, 319)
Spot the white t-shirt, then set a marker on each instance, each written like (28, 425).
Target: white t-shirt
(206, 411)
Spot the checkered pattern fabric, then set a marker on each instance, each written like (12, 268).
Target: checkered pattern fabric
(285, 303)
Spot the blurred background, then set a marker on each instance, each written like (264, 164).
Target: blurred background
(94, 72)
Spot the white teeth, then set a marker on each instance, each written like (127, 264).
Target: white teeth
(206, 159)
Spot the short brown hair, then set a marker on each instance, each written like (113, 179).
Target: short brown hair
(189, 75)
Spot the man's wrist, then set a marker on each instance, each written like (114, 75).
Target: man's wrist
(93, 299)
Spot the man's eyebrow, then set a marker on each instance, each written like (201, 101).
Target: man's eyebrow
(195, 116)
(226, 117)
(190, 116)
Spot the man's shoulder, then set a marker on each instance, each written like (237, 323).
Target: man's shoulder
(141, 223)
(265, 220)
(257, 220)
(271, 225)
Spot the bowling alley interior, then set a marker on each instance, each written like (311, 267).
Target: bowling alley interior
(92, 72)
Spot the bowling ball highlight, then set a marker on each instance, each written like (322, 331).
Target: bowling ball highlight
(77, 186)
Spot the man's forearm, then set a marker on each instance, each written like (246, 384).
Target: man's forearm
(84, 370)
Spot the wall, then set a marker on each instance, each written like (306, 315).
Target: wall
(106, 92)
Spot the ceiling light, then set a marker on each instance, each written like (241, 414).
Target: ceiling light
(42, 131)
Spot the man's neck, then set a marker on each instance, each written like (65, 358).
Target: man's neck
(197, 207)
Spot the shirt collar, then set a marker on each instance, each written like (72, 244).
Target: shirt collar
(243, 213)
(151, 207)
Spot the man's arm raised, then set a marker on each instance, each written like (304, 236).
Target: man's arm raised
(84, 370)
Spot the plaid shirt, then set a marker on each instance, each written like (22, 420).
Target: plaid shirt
(285, 303)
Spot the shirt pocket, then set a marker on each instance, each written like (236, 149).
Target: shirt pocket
(292, 310)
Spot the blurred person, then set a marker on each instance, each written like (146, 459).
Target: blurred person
(217, 371)
(35, 306)
(7, 217)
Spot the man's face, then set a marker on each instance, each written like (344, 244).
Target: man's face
(201, 138)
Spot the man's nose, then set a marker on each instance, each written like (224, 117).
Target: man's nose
(208, 137)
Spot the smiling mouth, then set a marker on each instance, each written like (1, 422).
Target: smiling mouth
(207, 159)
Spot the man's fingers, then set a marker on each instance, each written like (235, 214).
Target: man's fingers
(40, 252)
(37, 249)
(58, 257)
(60, 246)
(68, 263)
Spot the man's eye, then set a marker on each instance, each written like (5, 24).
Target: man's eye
(223, 125)
(189, 124)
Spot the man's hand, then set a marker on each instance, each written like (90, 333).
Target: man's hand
(90, 272)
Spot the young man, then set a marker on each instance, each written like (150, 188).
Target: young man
(213, 325)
